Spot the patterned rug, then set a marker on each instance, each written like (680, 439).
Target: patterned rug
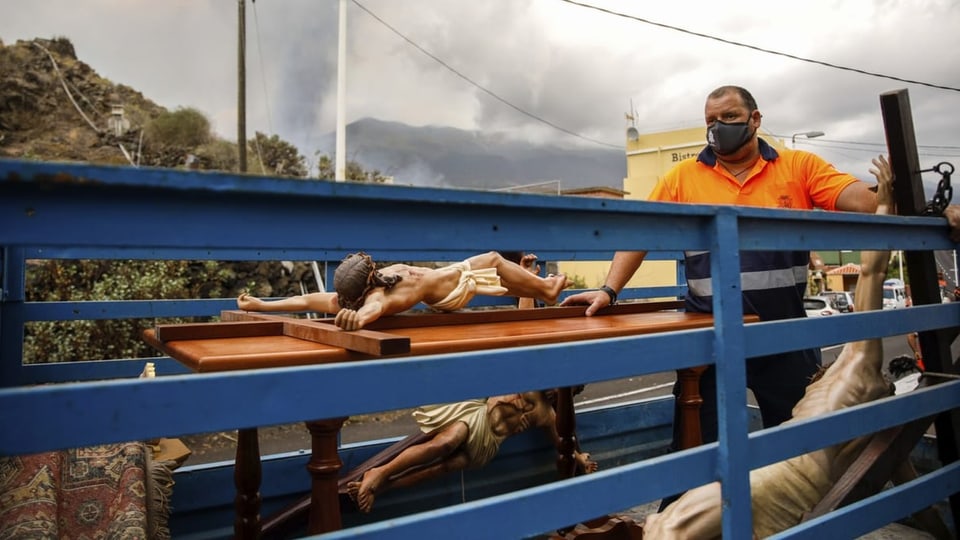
(99, 492)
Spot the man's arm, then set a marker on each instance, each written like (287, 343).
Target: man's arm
(622, 268)
(857, 197)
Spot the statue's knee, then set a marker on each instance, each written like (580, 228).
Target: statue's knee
(447, 445)
(457, 462)
(490, 259)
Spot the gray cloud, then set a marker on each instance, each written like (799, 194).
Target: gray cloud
(575, 67)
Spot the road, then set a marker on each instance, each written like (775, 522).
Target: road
(660, 384)
(292, 437)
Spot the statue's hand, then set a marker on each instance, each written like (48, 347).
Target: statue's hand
(348, 319)
(529, 263)
(247, 302)
(952, 213)
(586, 464)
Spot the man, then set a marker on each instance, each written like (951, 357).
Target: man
(784, 492)
(737, 167)
(464, 434)
(365, 293)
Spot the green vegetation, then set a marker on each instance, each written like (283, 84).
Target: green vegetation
(185, 128)
(275, 156)
(87, 280)
(354, 171)
(39, 122)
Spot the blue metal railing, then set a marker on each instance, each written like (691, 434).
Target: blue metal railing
(75, 211)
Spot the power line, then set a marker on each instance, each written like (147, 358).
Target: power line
(878, 148)
(481, 87)
(761, 49)
(821, 140)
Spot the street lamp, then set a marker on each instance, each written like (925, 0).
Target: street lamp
(807, 134)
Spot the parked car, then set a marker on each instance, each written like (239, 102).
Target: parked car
(841, 301)
(894, 294)
(818, 306)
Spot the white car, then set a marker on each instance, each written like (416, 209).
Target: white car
(818, 306)
(842, 301)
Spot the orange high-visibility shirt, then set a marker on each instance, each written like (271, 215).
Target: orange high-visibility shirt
(779, 179)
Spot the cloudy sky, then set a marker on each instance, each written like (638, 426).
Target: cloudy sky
(545, 70)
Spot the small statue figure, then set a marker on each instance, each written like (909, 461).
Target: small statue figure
(364, 293)
(464, 434)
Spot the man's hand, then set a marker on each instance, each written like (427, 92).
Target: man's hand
(597, 300)
(952, 213)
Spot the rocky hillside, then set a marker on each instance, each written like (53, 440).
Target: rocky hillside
(55, 107)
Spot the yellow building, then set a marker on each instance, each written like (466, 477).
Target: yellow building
(593, 273)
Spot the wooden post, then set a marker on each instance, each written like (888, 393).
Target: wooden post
(690, 402)
(246, 477)
(324, 467)
(924, 287)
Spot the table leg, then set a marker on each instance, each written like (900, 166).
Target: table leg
(324, 467)
(246, 477)
(690, 402)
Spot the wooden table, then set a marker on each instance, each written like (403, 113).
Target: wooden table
(255, 340)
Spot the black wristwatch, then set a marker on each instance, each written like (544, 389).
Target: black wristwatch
(611, 293)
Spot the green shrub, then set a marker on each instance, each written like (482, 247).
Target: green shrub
(183, 128)
(99, 280)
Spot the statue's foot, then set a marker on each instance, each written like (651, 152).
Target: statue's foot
(367, 489)
(557, 283)
(352, 489)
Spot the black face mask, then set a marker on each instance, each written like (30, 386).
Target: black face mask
(726, 139)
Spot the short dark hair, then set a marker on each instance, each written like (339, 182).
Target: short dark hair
(744, 94)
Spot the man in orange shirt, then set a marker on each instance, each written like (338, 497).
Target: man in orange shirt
(737, 167)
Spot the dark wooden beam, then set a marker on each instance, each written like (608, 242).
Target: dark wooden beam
(924, 286)
(482, 316)
(241, 328)
(364, 341)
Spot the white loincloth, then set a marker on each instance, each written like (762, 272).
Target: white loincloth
(481, 444)
(483, 281)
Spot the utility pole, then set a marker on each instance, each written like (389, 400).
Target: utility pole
(242, 86)
(340, 172)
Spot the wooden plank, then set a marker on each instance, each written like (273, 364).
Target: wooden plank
(208, 355)
(185, 331)
(922, 268)
(873, 468)
(362, 341)
(482, 316)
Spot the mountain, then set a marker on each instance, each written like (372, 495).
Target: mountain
(449, 157)
(53, 106)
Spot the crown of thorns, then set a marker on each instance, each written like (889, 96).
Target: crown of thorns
(356, 276)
